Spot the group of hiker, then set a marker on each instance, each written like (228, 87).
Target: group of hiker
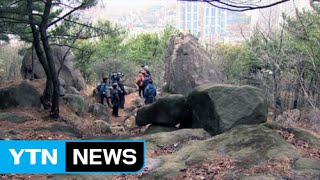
(145, 85)
(117, 93)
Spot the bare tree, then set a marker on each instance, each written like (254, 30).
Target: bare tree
(240, 6)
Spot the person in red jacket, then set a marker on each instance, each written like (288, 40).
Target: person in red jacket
(139, 82)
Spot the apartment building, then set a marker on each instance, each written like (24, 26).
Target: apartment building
(210, 24)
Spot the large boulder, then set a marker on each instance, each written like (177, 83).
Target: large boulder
(72, 90)
(22, 95)
(76, 103)
(100, 111)
(314, 118)
(218, 108)
(101, 126)
(61, 55)
(188, 65)
(166, 111)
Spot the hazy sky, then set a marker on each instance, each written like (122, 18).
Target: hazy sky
(111, 8)
(133, 3)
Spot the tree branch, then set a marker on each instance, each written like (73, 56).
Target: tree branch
(64, 16)
(237, 8)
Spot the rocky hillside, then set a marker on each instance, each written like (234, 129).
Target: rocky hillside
(209, 143)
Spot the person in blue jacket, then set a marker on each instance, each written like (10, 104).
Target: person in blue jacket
(146, 80)
(103, 90)
(150, 92)
(115, 99)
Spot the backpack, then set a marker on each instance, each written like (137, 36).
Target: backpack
(150, 93)
(114, 95)
(146, 81)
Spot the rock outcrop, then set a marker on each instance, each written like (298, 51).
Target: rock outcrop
(14, 117)
(188, 65)
(166, 111)
(100, 111)
(246, 145)
(157, 129)
(22, 95)
(101, 126)
(76, 103)
(218, 108)
(61, 55)
(314, 118)
(246, 152)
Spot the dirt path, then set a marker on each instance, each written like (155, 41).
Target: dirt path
(120, 120)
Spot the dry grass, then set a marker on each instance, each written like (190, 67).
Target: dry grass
(301, 146)
(210, 169)
(38, 118)
(274, 166)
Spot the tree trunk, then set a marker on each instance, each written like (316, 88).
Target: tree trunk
(47, 93)
(276, 94)
(55, 80)
(296, 95)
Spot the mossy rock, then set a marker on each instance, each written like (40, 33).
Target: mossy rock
(156, 129)
(299, 133)
(15, 117)
(247, 145)
(169, 138)
(307, 163)
(22, 95)
(61, 128)
(4, 135)
(218, 108)
(100, 111)
(76, 103)
(166, 111)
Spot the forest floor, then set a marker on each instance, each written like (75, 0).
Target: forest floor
(40, 127)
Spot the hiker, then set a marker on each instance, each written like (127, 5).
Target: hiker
(146, 80)
(142, 66)
(122, 93)
(150, 92)
(115, 100)
(139, 82)
(103, 90)
(115, 77)
(146, 68)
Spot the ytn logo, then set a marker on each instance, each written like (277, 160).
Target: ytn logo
(53, 158)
